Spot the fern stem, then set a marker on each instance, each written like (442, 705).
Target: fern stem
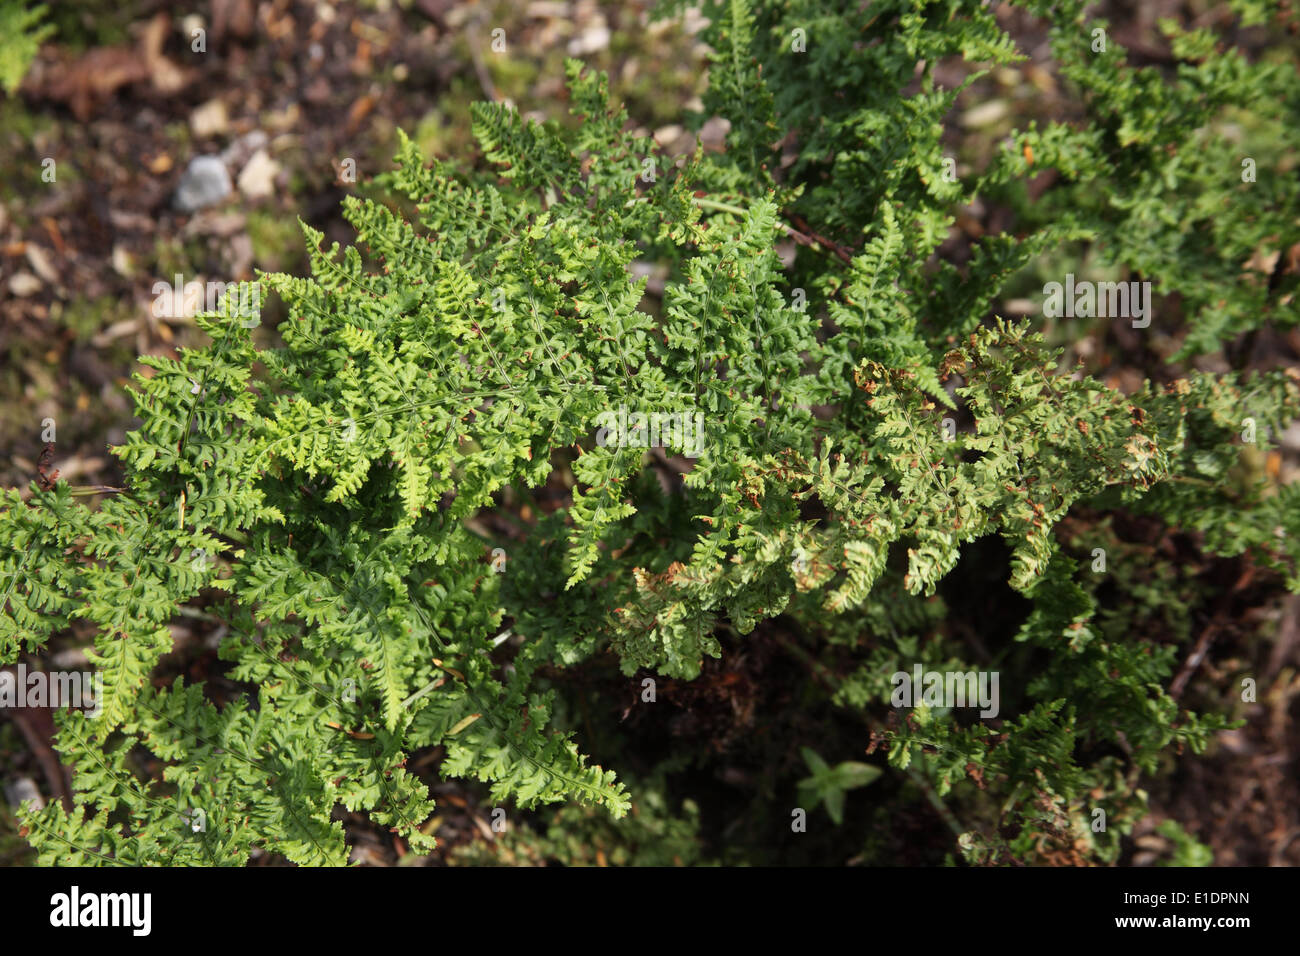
(85, 491)
(719, 206)
(923, 781)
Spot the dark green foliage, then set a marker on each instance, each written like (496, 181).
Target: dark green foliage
(319, 491)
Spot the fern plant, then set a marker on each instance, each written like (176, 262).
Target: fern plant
(21, 35)
(319, 491)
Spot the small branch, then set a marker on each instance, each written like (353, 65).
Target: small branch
(1217, 623)
(843, 252)
(936, 801)
(423, 690)
(38, 744)
(719, 206)
(1194, 659)
(480, 68)
(807, 238)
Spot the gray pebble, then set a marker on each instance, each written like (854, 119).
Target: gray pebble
(205, 182)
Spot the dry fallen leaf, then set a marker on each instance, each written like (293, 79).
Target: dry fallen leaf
(94, 76)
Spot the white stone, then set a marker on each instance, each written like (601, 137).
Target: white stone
(205, 182)
(257, 178)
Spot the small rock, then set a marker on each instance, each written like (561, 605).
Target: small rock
(236, 155)
(125, 221)
(548, 9)
(592, 40)
(1290, 439)
(40, 262)
(223, 224)
(24, 788)
(23, 284)
(713, 134)
(986, 114)
(240, 255)
(205, 182)
(69, 659)
(257, 179)
(210, 119)
(122, 262)
(1020, 307)
(667, 135)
